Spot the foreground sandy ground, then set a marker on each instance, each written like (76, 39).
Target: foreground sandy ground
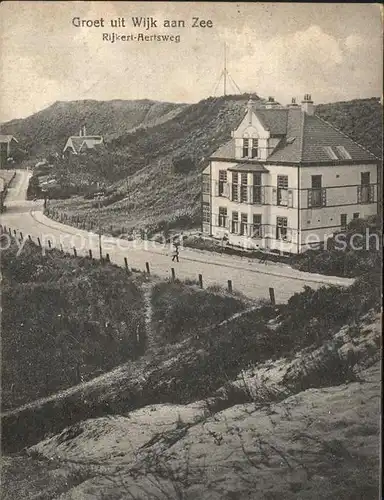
(320, 443)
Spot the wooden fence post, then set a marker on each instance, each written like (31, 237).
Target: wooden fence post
(74, 251)
(21, 235)
(147, 267)
(272, 296)
(29, 237)
(90, 254)
(126, 264)
(230, 286)
(201, 280)
(39, 242)
(173, 273)
(107, 257)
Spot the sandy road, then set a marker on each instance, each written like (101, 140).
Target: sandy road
(250, 277)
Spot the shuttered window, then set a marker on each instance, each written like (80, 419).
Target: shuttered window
(282, 190)
(235, 186)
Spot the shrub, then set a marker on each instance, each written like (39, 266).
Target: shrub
(76, 309)
(325, 369)
(179, 310)
(183, 165)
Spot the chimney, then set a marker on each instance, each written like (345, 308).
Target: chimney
(293, 103)
(307, 105)
(250, 107)
(271, 103)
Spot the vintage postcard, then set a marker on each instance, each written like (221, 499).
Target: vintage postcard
(191, 246)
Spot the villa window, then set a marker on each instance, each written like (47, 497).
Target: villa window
(243, 188)
(365, 192)
(243, 224)
(282, 190)
(245, 148)
(317, 194)
(222, 217)
(206, 184)
(256, 188)
(256, 230)
(281, 228)
(235, 222)
(255, 148)
(235, 186)
(206, 212)
(222, 181)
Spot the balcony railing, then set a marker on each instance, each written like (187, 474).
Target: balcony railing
(240, 193)
(366, 193)
(317, 197)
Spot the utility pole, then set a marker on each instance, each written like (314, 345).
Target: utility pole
(225, 69)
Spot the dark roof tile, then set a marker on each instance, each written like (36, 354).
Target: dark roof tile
(227, 150)
(274, 120)
(305, 139)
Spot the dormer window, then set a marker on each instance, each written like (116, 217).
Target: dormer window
(343, 153)
(245, 148)
(332, 155)
(255, 148)
(250, 148)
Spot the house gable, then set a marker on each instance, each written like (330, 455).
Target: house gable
(262, 127)
(79, 144)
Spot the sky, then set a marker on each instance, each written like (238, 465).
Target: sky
(284, 50)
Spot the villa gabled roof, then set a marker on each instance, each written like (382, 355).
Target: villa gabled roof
(227, 150)
(304, 139)
(274, 120)
(309, 139)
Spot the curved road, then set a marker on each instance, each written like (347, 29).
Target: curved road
(250, 277)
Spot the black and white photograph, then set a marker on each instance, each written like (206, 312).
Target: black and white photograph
(191, 250)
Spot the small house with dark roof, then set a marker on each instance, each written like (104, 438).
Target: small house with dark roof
(8, 145)
(287, 180)
(77, 144)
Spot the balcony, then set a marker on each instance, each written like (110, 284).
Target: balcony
(317, 197)
(219, 220)
(240, 193)
(254, 231)
(366, 193)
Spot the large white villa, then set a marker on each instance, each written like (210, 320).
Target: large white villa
(286, 180)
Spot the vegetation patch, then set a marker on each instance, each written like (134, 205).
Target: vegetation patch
(179, 311)
(64, 321)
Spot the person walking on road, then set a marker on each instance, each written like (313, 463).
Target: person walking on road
(175, 253)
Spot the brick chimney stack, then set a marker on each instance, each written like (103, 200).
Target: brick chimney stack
(293, 103)
(271, 103)
(307, 105)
